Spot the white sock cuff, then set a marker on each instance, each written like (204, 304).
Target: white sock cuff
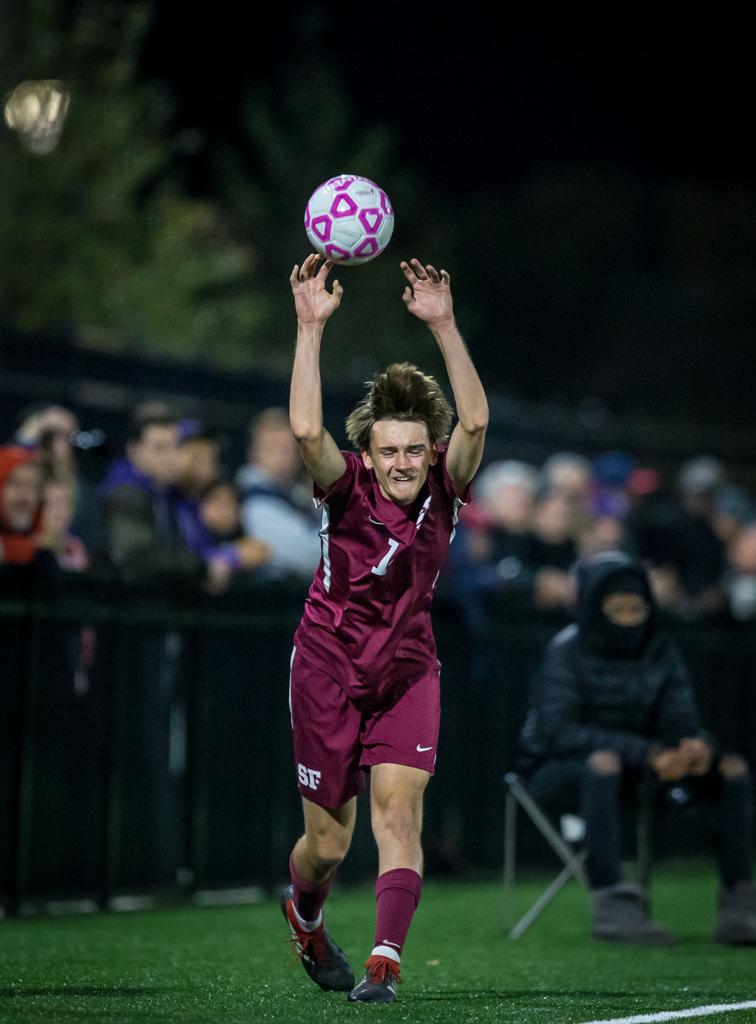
(307, 926)
(387, 951)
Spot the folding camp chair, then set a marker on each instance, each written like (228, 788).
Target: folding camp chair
(566, 842)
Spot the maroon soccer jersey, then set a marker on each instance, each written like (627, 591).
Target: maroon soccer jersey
(366, 620)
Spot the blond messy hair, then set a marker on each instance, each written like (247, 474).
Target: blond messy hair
(401, 392)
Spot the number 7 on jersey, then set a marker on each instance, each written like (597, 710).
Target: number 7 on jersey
(382, 567)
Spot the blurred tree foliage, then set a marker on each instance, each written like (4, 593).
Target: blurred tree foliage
(101, 237)
(97, 235)
(298, 133)
(95, 232)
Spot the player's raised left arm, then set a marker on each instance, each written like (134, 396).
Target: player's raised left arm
(428, 297)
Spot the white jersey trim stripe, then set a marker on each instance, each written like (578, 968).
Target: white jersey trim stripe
(458, 504)
(291, 669)
(324, 543)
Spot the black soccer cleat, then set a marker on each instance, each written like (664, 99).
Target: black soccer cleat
(379, 983)
(323, 960)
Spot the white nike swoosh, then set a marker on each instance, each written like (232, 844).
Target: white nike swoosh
(385, 942)
(376, 521)
(421, 750)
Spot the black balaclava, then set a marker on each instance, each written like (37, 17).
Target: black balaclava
(610, 638)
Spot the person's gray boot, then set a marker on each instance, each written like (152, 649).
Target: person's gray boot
(620, 914)
(736, 915)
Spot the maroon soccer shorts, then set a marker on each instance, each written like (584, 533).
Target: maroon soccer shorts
(334, 740)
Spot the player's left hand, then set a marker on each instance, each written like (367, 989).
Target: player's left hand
(428, 294)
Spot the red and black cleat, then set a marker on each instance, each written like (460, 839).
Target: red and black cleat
(379, 983)
(323, 960)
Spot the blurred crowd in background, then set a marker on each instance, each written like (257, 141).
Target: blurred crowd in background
(169, 511)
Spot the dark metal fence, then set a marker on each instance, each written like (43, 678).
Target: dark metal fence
(145, 745)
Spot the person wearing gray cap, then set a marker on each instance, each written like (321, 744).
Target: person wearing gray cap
(680, 537)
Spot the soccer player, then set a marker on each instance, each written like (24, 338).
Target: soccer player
(364, 688)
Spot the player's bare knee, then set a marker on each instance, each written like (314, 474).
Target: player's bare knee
(325, 867)
(733, 766)
(327, 849)
(604, 762)
(396, 819)
(324, 857)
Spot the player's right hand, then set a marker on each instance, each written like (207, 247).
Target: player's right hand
(313, 302)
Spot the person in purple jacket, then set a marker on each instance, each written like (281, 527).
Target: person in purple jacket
(364, 685)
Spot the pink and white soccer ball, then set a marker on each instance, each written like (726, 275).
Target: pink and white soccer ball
(349, 219)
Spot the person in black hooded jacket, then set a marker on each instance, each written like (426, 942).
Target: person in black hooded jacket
(611, 703)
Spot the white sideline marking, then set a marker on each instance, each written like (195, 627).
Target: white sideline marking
(694, 1011)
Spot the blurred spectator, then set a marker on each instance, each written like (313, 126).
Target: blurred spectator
(553, 548)
(698, 480)
(733, 508)
(143, 537)
(612, 472)
(615, 484)
(276, 509)
(197, 464)
(569, 473)
(679, 537)
(492, 552)
(26, 565)
(52, 430)
(220, 516)
(198, 470)
(740, 578)
(491, 555)
(734, 522)
(220, 512)
(79, 644)
(552, 529)
(517, 541)
(20, 505)
(600, 533)
(146, 545)
(512, 543)
(506, 491)
(57, 524)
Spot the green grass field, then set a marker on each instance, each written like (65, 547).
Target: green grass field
(234, 966)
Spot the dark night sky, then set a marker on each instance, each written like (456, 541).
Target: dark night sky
(658, 95)
(489, 95)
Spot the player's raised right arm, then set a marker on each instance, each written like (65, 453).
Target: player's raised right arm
(314, 304)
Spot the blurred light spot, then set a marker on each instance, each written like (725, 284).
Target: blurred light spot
(37, 112)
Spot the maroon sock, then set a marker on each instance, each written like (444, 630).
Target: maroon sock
(308, 898)
(397, 895)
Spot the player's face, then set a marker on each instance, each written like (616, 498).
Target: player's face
(400, 455)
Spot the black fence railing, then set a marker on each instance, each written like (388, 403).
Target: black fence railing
(145, 741)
